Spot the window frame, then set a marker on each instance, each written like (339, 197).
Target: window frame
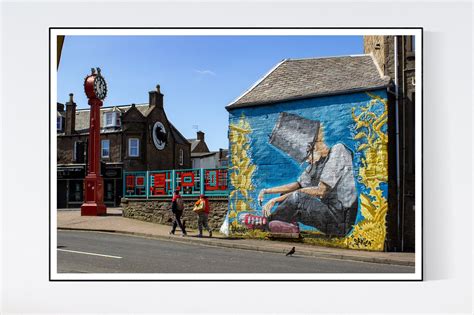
(102, 148)
(74, 150)
(110, 115)
(116, 118)
(181, 157)
(60, 123)
(130, 147)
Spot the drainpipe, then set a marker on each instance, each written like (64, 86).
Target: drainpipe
(404, 110)
(397, 127)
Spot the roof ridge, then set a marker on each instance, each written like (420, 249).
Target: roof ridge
(112, 106)
(327, 57)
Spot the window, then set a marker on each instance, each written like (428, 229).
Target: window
(78, 151)
(111, 119)
(108, 119)
(74, 151)
(117, 119)
(105, 145)
(410, 44)
(133, 147)
(181, 157)
(59, 123)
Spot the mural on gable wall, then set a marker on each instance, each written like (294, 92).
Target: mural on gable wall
(318, 167)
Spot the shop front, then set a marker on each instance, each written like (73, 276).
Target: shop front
(71, 185)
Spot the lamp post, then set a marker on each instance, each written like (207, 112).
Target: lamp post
(96, 90)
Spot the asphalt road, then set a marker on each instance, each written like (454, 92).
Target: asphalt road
(93, 252)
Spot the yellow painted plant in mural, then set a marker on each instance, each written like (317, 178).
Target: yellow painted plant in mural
(242, 171)
(371, 231)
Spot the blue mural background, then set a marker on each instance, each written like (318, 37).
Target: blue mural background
(274, 167)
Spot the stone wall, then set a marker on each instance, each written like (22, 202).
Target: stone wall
(158, 211)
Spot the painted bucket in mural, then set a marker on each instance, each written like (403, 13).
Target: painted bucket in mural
(318, 167)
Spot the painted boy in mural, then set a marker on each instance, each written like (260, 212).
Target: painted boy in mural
(324, 196)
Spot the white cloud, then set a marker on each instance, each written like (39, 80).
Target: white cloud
(205, 72)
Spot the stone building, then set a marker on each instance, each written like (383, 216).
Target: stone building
(395, 55)
(133, 138)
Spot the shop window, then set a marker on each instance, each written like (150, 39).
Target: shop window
(105, 145)
(75, 191)
(133, 147)
(109, 191)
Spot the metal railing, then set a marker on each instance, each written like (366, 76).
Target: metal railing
(190, 182)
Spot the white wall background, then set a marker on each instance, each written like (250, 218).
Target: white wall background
(447, 125)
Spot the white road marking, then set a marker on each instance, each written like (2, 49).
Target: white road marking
(85, 253)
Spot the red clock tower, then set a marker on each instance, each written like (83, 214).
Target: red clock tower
(96, 91)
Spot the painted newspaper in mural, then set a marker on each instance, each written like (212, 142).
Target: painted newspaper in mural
(316, 168)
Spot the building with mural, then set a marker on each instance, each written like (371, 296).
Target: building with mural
(309, 153)
(136, 137)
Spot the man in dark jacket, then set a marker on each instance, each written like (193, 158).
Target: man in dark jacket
(177, 207)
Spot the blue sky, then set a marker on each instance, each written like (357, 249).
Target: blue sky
(198, 75)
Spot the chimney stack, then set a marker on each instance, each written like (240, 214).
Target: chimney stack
(200, 135)
(70, 116)
(156, 98)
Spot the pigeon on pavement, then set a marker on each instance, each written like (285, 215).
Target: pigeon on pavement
(291, 252)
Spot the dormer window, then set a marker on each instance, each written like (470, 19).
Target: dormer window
(111, 119)
(117, 119)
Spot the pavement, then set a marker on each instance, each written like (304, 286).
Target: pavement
(113, 222)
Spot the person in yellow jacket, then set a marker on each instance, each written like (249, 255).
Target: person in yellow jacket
(201, 208)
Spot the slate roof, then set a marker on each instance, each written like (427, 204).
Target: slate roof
(294, 79)
(178, 137)
(82, 120)
(203, 154)
(195, 143)
(82, 115)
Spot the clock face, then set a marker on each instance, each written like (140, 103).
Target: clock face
(160, 137)
(100, 87)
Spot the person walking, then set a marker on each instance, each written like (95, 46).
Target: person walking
(177, 207)
(201, 208)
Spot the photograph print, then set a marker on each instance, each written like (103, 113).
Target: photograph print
(236, 154)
